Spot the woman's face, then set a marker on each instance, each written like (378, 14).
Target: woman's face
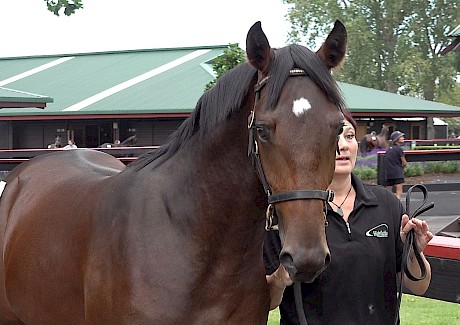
(348, 147)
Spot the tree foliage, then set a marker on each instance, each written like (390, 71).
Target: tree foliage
(231, 57)
(393, 44)
(68, 7)
(452, 97)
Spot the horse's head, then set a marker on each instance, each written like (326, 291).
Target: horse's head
(297, 117)
(385, 130)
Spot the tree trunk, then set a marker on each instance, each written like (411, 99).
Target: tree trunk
(428, 94)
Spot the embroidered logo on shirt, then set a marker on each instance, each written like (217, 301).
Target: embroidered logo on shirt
(380, 231)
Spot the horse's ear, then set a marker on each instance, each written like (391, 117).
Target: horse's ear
(258, 49)
(333, 50)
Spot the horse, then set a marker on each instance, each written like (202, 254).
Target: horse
(128, 142)
(373, 140)
(176, 236)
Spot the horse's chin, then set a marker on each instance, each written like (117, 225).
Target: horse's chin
(306, 277)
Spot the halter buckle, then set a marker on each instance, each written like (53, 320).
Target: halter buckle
(251, 119)
(269, 214)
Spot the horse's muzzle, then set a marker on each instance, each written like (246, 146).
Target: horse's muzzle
(305, 269)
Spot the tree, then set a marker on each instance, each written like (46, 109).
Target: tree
(393, 44)
(231, 57)
(67, 6)
(452, 97)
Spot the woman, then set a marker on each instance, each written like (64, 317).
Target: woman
(395, 162)
(366, 231)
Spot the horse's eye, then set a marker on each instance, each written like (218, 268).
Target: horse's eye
(262, 132)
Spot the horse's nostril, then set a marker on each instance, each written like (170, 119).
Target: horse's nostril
(327, 260)
(288, 263)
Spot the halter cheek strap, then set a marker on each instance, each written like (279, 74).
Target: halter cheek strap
(253, 151)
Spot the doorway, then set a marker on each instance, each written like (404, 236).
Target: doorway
(89, 136)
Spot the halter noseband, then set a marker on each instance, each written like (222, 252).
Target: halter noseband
(253, 151)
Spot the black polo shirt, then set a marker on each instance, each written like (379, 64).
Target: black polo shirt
(359, 285)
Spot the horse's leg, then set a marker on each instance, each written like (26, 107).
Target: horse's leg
(7, 315)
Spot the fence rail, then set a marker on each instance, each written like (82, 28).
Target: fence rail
(434, 142)
(11, 158)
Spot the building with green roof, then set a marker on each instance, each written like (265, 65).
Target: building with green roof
(11, 98)
(100, 97)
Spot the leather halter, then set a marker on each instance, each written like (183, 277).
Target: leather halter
(253, 151)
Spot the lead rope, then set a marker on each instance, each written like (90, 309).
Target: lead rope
(411, 242)
(297, 286)
(299, 303)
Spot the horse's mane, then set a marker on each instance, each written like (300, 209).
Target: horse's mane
(227, 96)
(214, 106)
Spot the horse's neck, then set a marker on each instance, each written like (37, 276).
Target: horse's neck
(228, 190)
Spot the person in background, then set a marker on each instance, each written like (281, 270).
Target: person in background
(366, 231)
(70, 145)
(395, 162)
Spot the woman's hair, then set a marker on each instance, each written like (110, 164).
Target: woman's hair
(349, 118)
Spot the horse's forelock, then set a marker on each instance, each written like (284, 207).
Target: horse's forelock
(297, 56)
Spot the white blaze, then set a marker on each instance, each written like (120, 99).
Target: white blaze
(300, 106)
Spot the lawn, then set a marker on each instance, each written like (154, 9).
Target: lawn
(415, 311)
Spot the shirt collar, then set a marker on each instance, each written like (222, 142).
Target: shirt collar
(363, 193)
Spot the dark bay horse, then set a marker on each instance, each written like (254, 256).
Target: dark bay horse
(176, 236)
(373, 140)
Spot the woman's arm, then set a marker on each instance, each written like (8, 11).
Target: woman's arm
(403, 161)
(417, 287)
(277, 282)
(422, 237)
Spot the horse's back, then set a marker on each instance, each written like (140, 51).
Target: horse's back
(45, 216)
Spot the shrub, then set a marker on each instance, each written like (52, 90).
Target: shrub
(413, 169)
(445, 167)
(433, 167)
(366, 167)
(365, 172)
(450, 167)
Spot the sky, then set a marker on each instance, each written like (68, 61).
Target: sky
(28, 28)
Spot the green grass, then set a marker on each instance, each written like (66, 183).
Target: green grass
(414, 311)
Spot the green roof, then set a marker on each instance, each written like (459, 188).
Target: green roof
(124, 82)
(154, 81)
(363, 101)
(10, 98)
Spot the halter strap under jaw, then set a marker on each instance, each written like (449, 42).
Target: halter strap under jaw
(253, 151)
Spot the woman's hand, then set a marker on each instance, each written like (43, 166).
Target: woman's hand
(277, 282)
(421, 229)
(422, 237)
